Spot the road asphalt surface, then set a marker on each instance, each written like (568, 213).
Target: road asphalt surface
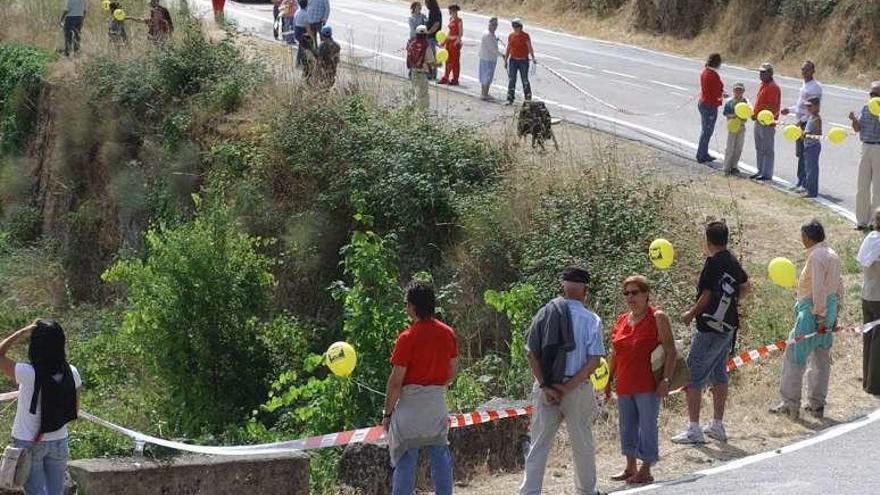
(655, 92)
(842, 460)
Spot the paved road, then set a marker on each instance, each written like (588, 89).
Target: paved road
(845, 463)
(641, 81)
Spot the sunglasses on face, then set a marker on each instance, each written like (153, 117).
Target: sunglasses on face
(628, 293)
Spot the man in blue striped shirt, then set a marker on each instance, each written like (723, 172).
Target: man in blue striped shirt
(868, 193)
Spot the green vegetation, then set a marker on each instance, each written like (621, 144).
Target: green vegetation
(22, 69)
(213, 232)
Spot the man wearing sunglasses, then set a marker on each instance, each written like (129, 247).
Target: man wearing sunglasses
(809, 89)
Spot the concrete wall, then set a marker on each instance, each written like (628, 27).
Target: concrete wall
(484, 448)
(281, 474)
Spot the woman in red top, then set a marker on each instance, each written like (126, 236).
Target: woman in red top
(635, 336)
(453, 45)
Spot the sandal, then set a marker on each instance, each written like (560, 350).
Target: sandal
(640, 480)
(623, 476)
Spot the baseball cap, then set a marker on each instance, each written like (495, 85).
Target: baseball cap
(327, 31)
(739, 85)
(875, 87)
(421, 29)
(766, 67)
(516, 22)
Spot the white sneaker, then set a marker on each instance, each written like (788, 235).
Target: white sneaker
(716, 431)
(689, 436)
(799, 190)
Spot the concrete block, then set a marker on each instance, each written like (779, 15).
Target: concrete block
(281, 474)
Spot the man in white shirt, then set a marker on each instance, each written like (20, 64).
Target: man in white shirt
(809, 89)
(488, 58)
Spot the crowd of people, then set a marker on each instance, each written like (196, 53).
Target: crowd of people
(807, 116)
(158, 21)
(565, 345)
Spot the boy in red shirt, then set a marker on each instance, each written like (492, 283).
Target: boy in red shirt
(516, 60)
(425, 361)
(453, 46)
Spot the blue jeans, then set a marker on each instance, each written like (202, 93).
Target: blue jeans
(48, 464)
(520, 66)
(639, 436)
(707, 359)
(811, 169)
(403, 481)
(799, 153)
(72, 28)
(708, 116)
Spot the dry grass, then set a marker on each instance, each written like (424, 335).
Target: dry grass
(740, 43)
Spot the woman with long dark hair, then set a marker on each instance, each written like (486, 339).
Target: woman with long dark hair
(48, 399)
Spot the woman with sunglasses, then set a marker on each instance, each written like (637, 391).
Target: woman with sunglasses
(636, 334)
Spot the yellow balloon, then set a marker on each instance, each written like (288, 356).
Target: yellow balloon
(661, 253)
(340, 358)
(599, 378)
(734, 126)
(742, 110)
(442, 55)
(792, 132)
(782, 272)
(874, 106)
(440, 37)
(765, 117)
(119, 15)
(837, 135)
(105, 5)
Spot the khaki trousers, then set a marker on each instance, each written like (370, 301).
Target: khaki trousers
(420, 90)
(817, 370)
(578, 409)
(868, 192)
(734, 149)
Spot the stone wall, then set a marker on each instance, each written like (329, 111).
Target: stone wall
(484, 448)
(277, 474)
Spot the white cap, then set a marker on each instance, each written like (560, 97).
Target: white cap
(421, 29)
(516, 22)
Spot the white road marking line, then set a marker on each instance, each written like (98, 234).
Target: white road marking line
(611, 72)
(828, 434)
(627, 83)
(576, 72)
(673, 86)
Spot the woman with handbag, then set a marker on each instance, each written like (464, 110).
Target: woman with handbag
(48, 398)
(636, 335)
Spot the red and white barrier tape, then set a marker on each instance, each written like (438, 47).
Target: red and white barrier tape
(780, 345)
(372, 434)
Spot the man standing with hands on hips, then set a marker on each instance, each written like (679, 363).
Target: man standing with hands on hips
(564, 346)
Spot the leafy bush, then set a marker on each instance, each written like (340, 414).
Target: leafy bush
(409, 170)
(597, 222)
(23, 224)
(194, 307)
(374, 314)
(518, 304)
(22, 68)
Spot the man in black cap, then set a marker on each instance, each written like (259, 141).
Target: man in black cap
(564, 346)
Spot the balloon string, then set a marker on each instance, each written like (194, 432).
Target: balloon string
(363, 385)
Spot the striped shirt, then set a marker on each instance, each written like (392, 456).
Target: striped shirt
(870, 123)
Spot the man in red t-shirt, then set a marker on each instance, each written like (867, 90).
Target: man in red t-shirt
(516, 60)
(769, 98)
(711, 96)
(425, 360)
